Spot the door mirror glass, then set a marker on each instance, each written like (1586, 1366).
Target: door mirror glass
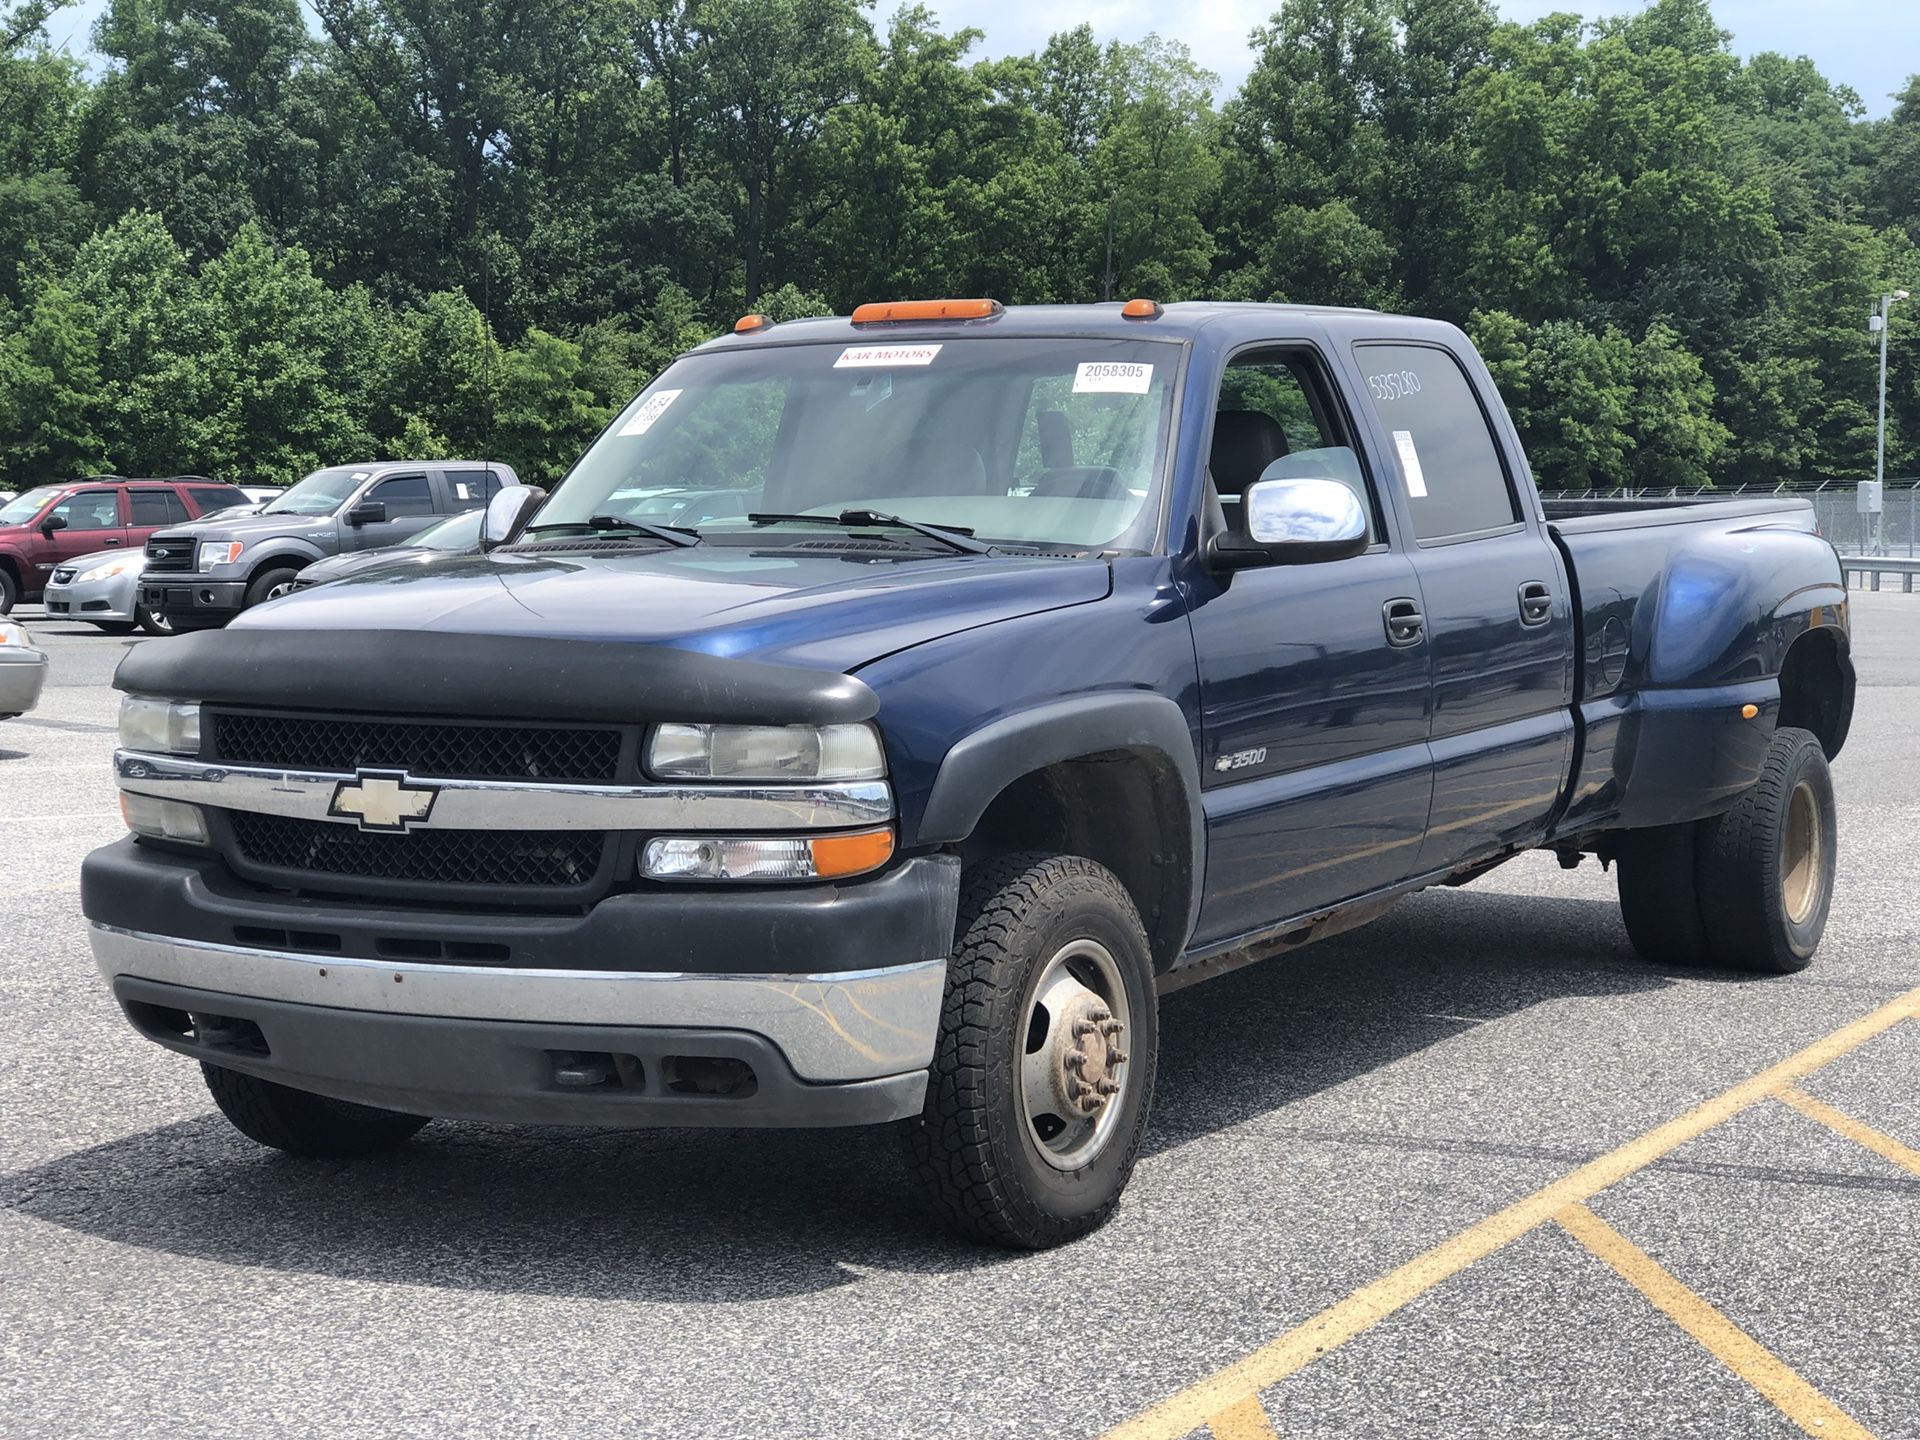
(1296, 521)
(367, 512)
(508, 513)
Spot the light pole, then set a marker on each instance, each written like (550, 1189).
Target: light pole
(1878, 321)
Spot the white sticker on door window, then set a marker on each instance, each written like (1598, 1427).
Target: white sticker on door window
(642, 419)
(1410, 464)
(1111, 377)
(865, 357)
(461, 489)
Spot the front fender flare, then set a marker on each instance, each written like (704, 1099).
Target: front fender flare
(982, 764)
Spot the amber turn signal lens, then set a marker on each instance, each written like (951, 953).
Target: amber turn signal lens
(851, 854)
(879, 312)
(1141, 310)
(747, 324)
(1747, 712)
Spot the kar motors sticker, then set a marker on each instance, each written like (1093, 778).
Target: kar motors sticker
(1410, 464)
(865, 357)
(1111, 377)
(642, 419)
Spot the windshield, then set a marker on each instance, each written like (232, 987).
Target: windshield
(456, 532)
(1051, 442)
(321, 493)
(22, 509)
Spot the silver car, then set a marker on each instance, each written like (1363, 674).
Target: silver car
(23, 670)
(103, 589)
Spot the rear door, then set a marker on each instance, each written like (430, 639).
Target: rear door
(1315, 772)
(151, 508)
(1498, 605)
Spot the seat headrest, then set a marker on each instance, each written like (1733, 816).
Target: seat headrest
(1245, 442)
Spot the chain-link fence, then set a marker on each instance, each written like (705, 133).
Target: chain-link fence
(1837, 507)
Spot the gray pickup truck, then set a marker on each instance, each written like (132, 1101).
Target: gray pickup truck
(201, 576)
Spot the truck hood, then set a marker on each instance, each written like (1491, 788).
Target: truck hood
(831, 610)
(249, 528)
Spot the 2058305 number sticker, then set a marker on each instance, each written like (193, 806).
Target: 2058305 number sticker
(1393, 384)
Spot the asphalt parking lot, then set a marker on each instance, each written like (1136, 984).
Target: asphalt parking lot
(1473, 1170)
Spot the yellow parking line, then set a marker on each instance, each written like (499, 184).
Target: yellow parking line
(1189, 1409)
(1244, 1421)
(1881, 1143)
(1792, 1396)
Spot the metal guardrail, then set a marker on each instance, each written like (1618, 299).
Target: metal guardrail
(1874, 566)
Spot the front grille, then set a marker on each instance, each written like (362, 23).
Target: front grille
(441, 749)
(501, 859)
(165, 554)
(64, 575)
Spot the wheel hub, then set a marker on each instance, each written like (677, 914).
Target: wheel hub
(1087, 1055)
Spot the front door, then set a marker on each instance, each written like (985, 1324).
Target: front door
(1314, 681)
(1498, 607)
(85, 521)
(409, 506)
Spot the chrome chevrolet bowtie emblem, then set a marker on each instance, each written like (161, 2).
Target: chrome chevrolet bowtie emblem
(382, 800)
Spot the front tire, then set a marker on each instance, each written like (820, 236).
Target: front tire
(9, 591)
(1043, 1072)
(1766, 866)
(114, 627)
(300, 1123)
(154, 622)
(270, 585)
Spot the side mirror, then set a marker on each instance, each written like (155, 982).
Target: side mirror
(53, 523)
(1294, 522)
(508, 513)
(367, 512)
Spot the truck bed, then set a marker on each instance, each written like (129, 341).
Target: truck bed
(1584, 517)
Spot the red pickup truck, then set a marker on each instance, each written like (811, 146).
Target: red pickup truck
(50, 523)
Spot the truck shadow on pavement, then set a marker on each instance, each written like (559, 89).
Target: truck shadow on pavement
(721, 1216)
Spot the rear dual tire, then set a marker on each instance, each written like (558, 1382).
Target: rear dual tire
(1747, 889)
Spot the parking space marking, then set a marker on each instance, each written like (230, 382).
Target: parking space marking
(1766, 1372)
(1189, 1409)
(1245, 1421)
(1878, 1141)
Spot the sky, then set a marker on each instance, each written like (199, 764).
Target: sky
(1872, 45)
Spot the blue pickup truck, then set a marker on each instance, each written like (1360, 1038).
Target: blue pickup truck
(1056, 658)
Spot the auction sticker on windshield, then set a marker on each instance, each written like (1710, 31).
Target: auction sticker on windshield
(1111, 377)
(642, 419)
(860, 357)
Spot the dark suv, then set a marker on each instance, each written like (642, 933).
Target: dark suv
(52, 523)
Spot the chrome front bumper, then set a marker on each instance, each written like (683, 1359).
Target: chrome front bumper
(831, 1028)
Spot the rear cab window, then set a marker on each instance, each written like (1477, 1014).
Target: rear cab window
(1440, 441)
(470, 489)
(156, 508)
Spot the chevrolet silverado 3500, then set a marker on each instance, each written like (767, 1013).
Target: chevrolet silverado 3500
(1062, 656)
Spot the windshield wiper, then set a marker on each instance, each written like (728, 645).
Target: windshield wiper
(955, 538)
(672, 534)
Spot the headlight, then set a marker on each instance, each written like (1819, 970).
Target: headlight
(219, 552)
(712, 857)
(163, 819)
(120, 565)
(13, 634)
(166, 727)
(765, 752)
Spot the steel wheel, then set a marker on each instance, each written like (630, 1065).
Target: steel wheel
(1073, 1072)
(1802, 875)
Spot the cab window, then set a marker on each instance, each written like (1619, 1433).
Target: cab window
(1274, 420)
(89, 510)
(1440, 441)
(403, 495)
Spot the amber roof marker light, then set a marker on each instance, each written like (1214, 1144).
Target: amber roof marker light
(751, 324)
(1142, 309)
(881, 312)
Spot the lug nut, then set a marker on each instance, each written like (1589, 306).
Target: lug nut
(1076, 1060)
(1109, 1087)
(1116, 1057)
